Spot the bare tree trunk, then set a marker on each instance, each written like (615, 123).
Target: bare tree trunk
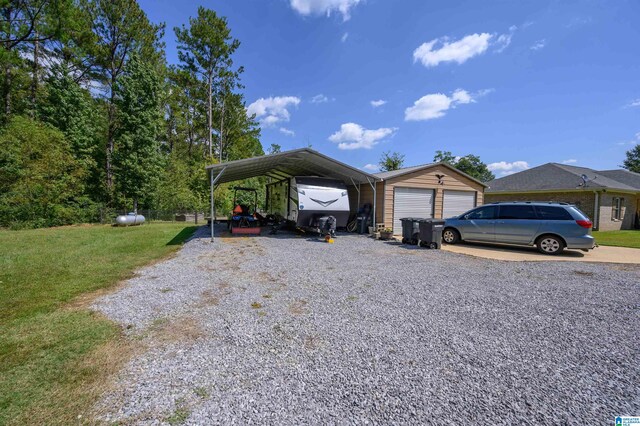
(34, 81)
(210, 116)
(7, 90)
(135, 205)
(6, 87)
(110, 139)
(221, 128)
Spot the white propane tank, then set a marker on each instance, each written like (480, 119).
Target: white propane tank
(130, 219)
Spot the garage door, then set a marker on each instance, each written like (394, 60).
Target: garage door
(411, 202)
(457, 202)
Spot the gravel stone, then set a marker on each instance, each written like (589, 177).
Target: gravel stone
(290, 330)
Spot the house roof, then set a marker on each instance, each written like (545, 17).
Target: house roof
(625, 176)
(297, 162)
(561, 177)
(406, 170)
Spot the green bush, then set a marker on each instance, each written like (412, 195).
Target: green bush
(40, 180)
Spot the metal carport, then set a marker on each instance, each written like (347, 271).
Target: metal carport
(283, 165)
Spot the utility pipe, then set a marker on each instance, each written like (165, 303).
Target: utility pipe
(596, 210)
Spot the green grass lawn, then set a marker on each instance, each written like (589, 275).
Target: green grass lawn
(54, 353)
(618, 238)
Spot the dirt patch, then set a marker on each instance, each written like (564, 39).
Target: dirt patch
(298, 307)
(183, 329)
(212, 297)
(208, 298)
(312, 342)
(265, 277)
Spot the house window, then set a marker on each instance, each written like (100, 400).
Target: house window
(616, 208)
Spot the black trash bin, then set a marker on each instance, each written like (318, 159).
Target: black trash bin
(363, 222)
(410, 230)
(431, 233)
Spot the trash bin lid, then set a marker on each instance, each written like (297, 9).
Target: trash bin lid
(434, 221)
(414, 219)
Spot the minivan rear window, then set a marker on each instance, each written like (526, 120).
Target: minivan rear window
(553, 213)
(517, 212)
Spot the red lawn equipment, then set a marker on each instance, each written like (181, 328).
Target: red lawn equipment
(244, 220)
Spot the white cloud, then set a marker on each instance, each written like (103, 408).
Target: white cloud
(539, 44)
(570, 161)
(272, 110)
(370, 167)
(435, 105)
(506, 168)
(344, 37)
(319, 99)
(354, 136)
(378, 103)
(440, 50)
(324, 7)
(504, 40)
(635, 103)
(632, 142)
(578, 21)
(287, 132)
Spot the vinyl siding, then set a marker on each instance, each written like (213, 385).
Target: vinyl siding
(426, 178)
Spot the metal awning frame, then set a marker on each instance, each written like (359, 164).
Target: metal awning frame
(285, 165)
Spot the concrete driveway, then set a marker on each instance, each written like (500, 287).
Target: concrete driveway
(602, 254)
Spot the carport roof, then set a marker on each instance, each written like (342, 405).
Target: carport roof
(297, 162)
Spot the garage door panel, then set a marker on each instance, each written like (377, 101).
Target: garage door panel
(411, 202)
(457, 202)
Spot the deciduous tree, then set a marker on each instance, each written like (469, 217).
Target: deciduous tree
(632, 162)
(469, 164)
(391, 161)
(40, 180)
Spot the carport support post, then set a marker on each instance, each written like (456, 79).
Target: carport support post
(213, 205)
(373, 187)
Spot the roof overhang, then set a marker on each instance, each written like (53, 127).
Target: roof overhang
(563, 190)
(430, 166)
(284, 165)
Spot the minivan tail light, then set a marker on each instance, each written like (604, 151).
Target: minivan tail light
(585, 223)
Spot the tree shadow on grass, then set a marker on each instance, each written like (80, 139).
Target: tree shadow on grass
(182, 236)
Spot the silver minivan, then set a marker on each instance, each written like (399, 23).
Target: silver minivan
(551, 227)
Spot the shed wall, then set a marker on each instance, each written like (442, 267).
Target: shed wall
(427, 179)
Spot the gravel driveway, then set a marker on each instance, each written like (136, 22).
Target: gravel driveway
(291, 330)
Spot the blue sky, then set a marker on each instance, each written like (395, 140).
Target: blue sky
(519, 83)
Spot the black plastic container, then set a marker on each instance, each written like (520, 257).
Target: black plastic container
(410, 230)
(430, 234)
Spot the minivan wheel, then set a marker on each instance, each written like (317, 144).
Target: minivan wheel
(450, 236)
(550, 244)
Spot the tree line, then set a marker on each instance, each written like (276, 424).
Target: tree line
(93, 119)
(469, 164)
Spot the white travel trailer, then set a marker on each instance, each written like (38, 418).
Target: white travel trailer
(303, 200)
